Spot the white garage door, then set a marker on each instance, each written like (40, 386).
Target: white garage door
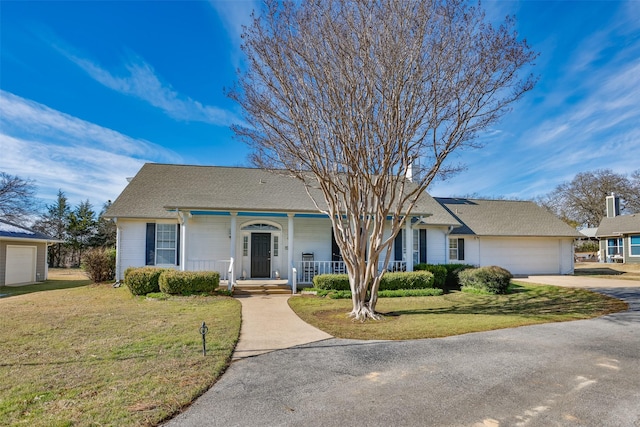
(21, 265)
(522, 256)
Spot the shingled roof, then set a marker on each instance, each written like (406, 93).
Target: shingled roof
(505, 218)
(618, 225)
(9, 230)
(159, 189)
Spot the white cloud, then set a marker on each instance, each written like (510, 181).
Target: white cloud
(141, 81)
(234, 16)
(60, 151)
(584, 119)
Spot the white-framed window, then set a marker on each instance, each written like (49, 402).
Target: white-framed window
(275, 245)
(614, 246)
(166, 244)
(456, 249)
(453, 248)
(634, 245)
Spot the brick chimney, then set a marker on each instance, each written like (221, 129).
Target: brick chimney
(613, 206)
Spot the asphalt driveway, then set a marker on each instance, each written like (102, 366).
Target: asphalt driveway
(580, 373)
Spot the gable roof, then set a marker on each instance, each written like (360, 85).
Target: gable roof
(618, 225)
(158, 190)
(11, 231)
(505, 218)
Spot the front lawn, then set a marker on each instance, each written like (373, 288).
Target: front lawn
(456, 313)
(95, 355)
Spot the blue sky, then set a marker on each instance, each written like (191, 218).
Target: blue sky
(90, 91)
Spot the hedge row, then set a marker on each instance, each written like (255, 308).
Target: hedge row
(175, 282)
(445, 275)
(144, 280)
(382, 294)
(491, 280)
(390, 281)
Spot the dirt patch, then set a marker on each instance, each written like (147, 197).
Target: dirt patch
(67, 274)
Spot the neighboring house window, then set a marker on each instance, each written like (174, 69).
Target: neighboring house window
(634, 245)
(245, 246)
(162, 244)
(275, 245)
(456, 249)
(614, 246)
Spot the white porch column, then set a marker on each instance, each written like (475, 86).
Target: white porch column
(290, 250)
(408, 244)
(232, 245)
(183, 241)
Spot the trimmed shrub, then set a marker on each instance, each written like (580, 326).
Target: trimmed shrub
(390, 281)
(99, 264)
(143, 280)
(492, 280)
(452, 282)
(176, 282)
(410, 293)
(406, 280)
(439, 273)
(336, 282)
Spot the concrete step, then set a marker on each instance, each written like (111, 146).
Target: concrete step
(265, 289)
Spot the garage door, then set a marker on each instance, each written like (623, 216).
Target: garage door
(522, 256)
(21, 265)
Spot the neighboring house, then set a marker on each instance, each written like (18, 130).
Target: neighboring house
(520, 236)
(23, 255)
(619, 234)
(250, 223)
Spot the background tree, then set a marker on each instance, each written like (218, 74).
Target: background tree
(82, 227)
(105, 230)
(17, 199)
(581, 202)
(55, 223)
(347, 95)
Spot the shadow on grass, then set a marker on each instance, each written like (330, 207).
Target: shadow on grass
(49, 285)
(526, 302)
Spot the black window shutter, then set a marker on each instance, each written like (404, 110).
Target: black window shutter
(461, 249)
(151, 244)
(423, 246)
(336, 255)
(397, 246)
(177, 244)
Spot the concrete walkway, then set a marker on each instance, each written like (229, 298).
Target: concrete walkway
(268, 324)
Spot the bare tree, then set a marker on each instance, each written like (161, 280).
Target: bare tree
(17, 198)
(582, 200)
(346, 95)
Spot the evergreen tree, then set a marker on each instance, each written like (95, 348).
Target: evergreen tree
(55, 223)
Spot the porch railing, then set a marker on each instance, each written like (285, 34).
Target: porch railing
(306, 270)
(221, 266)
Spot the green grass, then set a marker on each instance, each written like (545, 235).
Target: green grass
(78, 354)
(456, 313)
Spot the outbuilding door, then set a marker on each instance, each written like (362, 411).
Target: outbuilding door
(261, 255)
(21, 265)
